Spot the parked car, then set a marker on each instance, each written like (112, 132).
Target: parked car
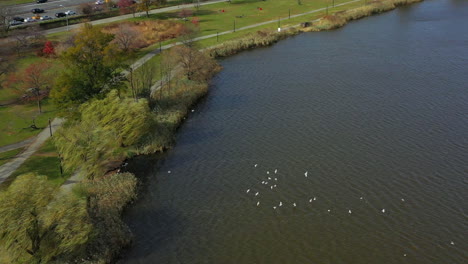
(99, 2)
(37, 10)
(41, 1)
(70, 13)
(60, 14)
(29, 19)
(46, 18)
(19, 19)
(15, 23)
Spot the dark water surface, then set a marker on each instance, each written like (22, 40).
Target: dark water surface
(377, 109)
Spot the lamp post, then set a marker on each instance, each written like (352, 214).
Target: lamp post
(66, 16)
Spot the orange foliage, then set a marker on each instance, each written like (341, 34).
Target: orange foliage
(150, 32)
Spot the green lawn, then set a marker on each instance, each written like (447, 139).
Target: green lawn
(15, 121)
(44, 162)
(8, 155)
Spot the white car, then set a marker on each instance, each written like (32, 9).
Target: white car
(70, 13)
(29, 19)
(46, 18)
(99, 2)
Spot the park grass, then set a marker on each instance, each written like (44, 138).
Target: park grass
(44, 161)
(8, 155)
(15, 121)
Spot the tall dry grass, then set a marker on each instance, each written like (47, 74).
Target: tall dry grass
(341, 18)
(261, 38)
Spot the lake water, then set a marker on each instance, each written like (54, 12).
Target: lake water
(376, 113)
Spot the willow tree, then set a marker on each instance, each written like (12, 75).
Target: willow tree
(22, 229)
(91, 67)
(105, 131)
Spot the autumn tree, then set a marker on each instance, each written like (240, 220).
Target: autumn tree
(32, 83)
(126, 37)
(91, 68)
(49, 49)
(127, 6)
(184, 13)
(145, 5)
(21, 226)
(87, 9)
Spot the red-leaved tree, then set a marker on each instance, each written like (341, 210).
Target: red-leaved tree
(127, 6)
(48, 49)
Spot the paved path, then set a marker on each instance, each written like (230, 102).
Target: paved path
(18, 145)
(7, 169)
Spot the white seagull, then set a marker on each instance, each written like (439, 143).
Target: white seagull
(383, 210)
(255, 166)
(274, 207)
(349, 211)
(248, 190)
(315, 198)
(276, 170)
(258, 203)
(276, 179)
(268, 172)
(305, 174)
(168, 171)
(294, 204)
(256, 193)
(280, 204)
(310, 200)
(269, 178)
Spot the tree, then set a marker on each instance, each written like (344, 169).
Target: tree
(145, 5)
(126, 37)
(104, 129)
(6, 66)
(91, 68)
(22, 228)
(33, 82)
(184, 13)
(127, 6)
(87, 9)
(196, 66)
(48, 49)
(5, 15)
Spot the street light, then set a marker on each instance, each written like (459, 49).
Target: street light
(66, 16)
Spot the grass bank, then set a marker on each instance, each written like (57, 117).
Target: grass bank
(341, 18)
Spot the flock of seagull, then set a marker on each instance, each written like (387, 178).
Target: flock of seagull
(273, 179)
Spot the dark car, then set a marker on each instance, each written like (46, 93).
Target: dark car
(37, 10)
(61, 14)
(41, 1)
(19, 19)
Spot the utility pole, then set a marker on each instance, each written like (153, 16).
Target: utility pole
(234, 25)
(290, 13)
(217, 36)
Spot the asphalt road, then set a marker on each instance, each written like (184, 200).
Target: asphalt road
(51, 7)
